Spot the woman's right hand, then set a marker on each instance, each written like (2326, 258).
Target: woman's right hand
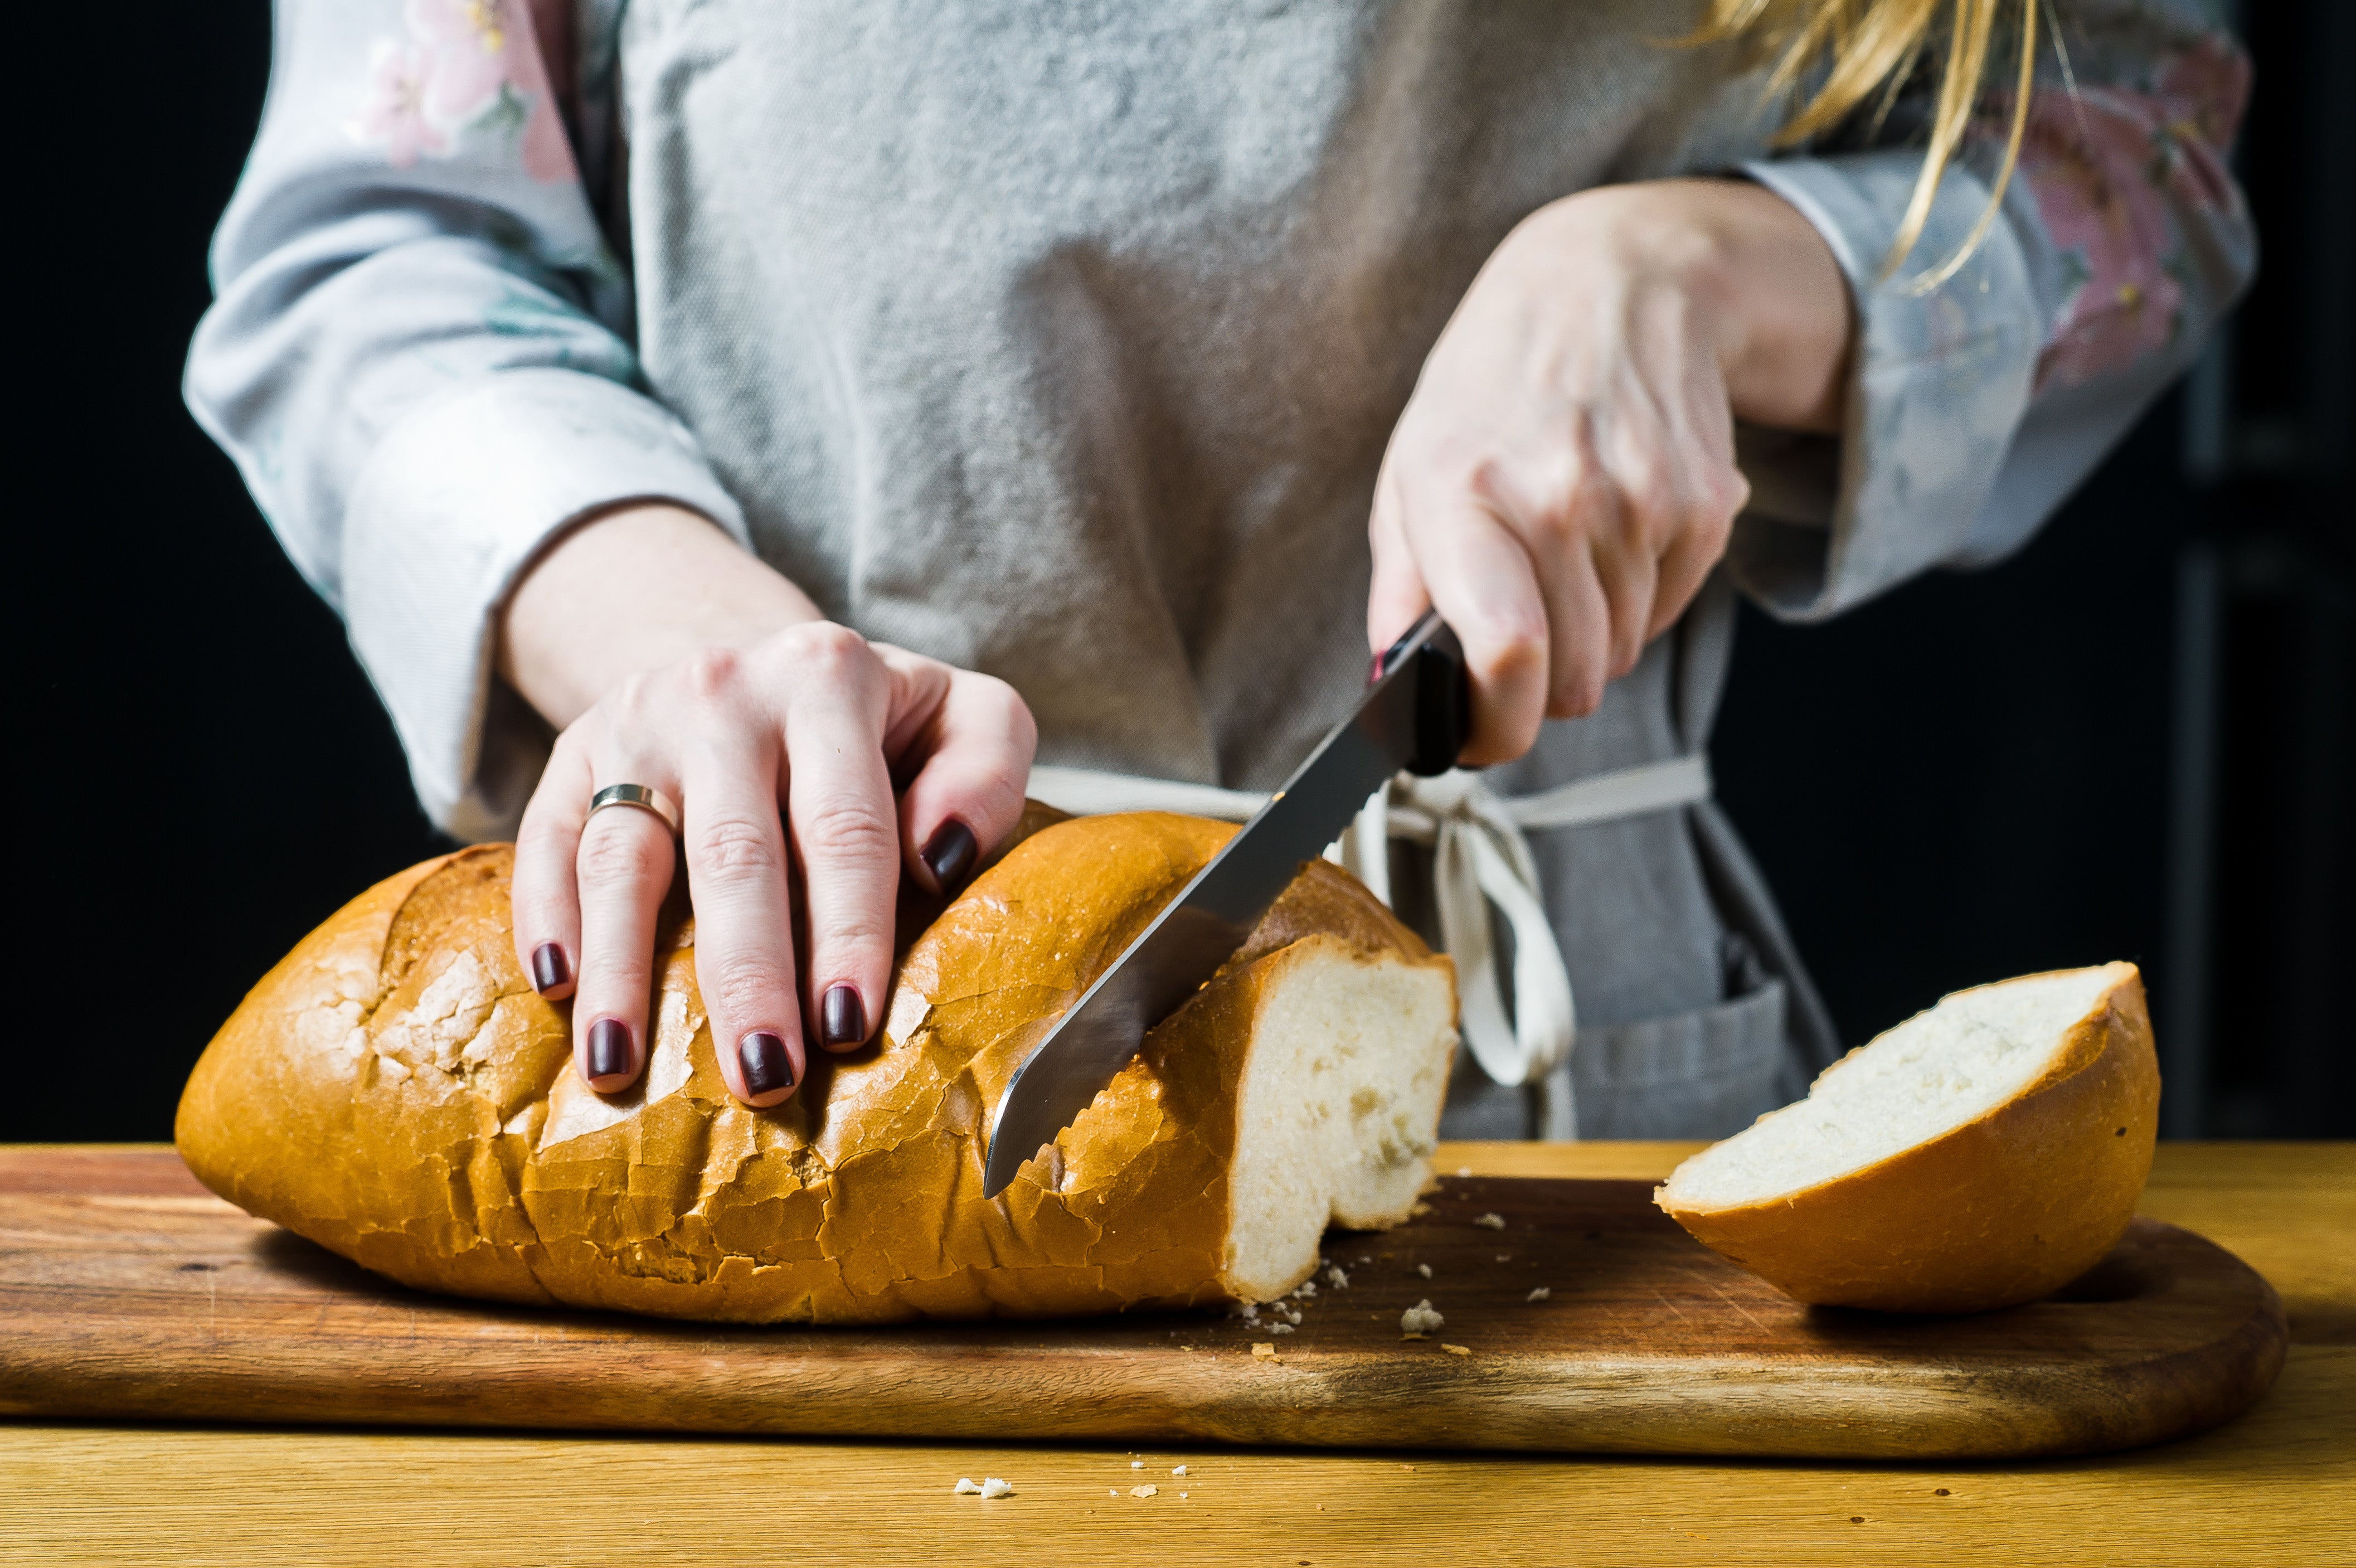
(782, 754)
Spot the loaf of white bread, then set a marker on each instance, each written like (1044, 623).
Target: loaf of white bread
(1978, 1156)
(395, 1091)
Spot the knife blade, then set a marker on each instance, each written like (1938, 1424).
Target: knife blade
(1415, 716)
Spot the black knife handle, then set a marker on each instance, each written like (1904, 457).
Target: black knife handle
(1443, 697)
(1443, 706)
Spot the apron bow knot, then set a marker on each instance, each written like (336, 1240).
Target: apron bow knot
(1480, 857)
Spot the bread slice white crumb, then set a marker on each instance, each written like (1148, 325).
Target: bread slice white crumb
(1420, 1318)
(1977, 1155)
(1335, 1108)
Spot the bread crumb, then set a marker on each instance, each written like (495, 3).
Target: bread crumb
(993, 1486)
(1424, 1269)
(1112, 1491)
(1505, 1257)
(1264, 1350)
(1295, 1316)
(1137, 1464)
(1280, 1328)
(1306, 1287)
(966, 1485)
(1419, 1319)
(1177, 1469)
(1407, 1467)
(1248, 1311)
(1182, 1495)
(1540, 1293)
(1464, 1170)
(1411, 1337)
(1145, 1491)
(1418, 1211)
(1340, 1280)
(1455, 1349)
(1491, 1223)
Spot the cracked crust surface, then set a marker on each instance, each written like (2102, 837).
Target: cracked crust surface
(394, 1091)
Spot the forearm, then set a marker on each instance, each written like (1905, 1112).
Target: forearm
(642, 585)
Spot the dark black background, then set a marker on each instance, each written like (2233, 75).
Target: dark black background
(1978, 776)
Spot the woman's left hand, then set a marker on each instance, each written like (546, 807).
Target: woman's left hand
(1563, 478)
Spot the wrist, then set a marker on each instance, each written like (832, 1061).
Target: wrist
(1770, 294)
(641, 586)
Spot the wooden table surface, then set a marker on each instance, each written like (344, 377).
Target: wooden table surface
(2277, 1486)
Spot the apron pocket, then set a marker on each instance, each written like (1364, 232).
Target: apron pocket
(1705, 1074)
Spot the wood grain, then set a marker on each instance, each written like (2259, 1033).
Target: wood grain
(128, 1291)
(2273, 1487)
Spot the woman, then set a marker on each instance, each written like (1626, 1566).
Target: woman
(807, 412)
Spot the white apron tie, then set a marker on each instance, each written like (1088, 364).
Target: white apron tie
(1480, 857)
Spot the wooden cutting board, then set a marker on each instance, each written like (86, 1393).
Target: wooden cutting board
(127, 1291)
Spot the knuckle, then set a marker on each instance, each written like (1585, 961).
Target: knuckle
(841, 828)
(1578, 697)
(713, 672)
(736, 849)
(1726, 492)
(611, 858)
(748, 990)
(825, 650)
(1003, 702)
(1483, 476)
(846, 942)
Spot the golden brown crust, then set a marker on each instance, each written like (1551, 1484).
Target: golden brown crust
(396, 1091)
(2005, 1209)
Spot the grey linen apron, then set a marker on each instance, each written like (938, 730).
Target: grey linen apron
(1063, 341)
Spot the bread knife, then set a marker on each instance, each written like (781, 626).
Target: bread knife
(1415, 716)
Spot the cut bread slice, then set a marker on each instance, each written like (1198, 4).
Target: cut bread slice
(395, 1091)
(1977, 1155)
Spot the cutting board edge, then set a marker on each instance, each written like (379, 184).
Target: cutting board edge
(1790, 1419)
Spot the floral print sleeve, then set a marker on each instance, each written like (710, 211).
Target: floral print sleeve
(2114, 168)
(1978, 406)
(463, 66)
(419, 352)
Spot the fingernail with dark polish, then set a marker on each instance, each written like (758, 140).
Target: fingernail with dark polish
(549, 968)
(767, 1066)
(609, 1048)
(843, 1017)
(950, 854)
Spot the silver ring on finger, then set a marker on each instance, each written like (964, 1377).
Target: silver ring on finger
(645, 797)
